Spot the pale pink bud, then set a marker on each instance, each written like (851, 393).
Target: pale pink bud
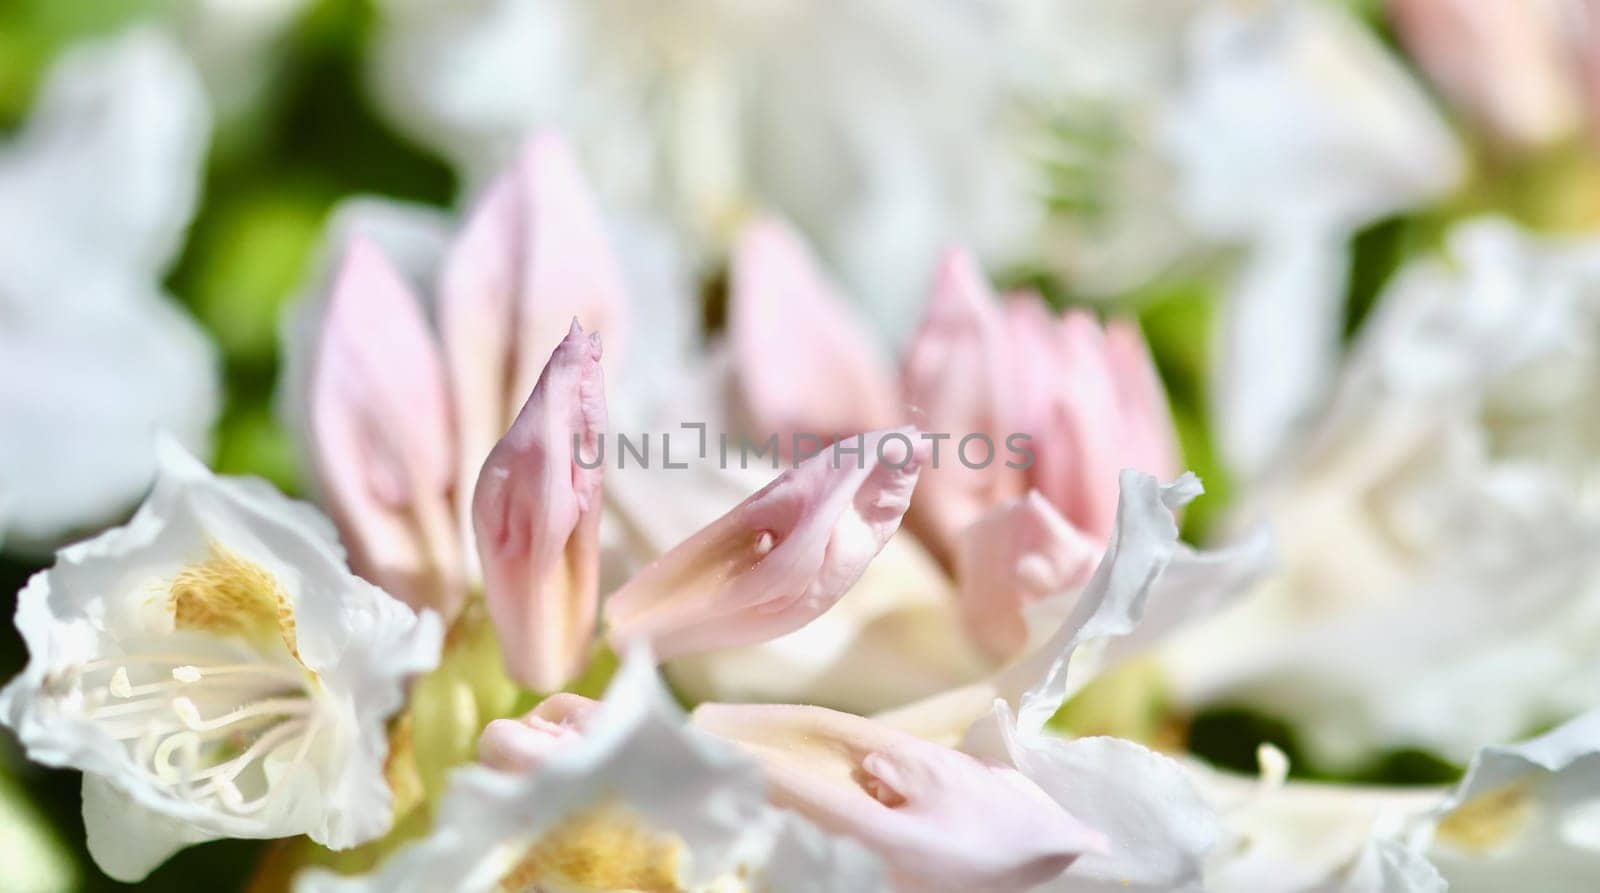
(536, 512)
(1035, 353)
(1110, 414)
(533, 256)
(1016, 554)
(1148, 435)
(941, 819)
(777, 560)
(523, 744)
(381, 434)
(1510, 63)
(803, 361)
(958, 376)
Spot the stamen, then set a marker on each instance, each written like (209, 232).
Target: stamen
(190, 714)
(189, 745)
(259, 706)
(230, 795)
(119, 684)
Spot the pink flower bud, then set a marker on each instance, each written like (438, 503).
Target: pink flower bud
(804, 363)
(959, 380)
(533, 256)
(523, 744)
(536, 512)
(778, 559)
(1109, 413)
(381, 435)
(1512, 64)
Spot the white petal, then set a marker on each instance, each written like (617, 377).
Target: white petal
(1525, 815)
(1350, 135)
(105, 174)
(125, 839)
(1278, 344)
(85, 385)
(1157, 826)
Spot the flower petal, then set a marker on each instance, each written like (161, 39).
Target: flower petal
(1508, 63)
(777, 560)
(525, 743)
(533, 256)
(1016, 554)
(941, 819)
(1158, 828)
(804, 364)
(958, 381)
(1525, 815)
(381, 434)
(104, 176)
(893, 638)
(536, 513)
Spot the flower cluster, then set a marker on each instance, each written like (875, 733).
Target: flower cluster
(799, 504)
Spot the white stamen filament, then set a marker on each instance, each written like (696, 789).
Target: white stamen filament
(176, 727)
(190, 714)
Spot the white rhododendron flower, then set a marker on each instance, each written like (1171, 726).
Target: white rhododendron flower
(215, 671)
(1293, 98)
(1439, 590)
(589, 797)
(96, 190)
(1525, 816)
(1522, 818)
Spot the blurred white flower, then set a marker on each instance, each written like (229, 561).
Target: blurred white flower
(1293, 128)
(1524, 817)
(1298, 837)
(884, 128)
(215, 671)
(95, 194)
(1527, 816)
(1440, 587)
(621, 796)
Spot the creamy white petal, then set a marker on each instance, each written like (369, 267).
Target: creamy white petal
(1293, 98)
(1526, 816)
(1438, 587)
(1310, 836)
(1158, 828)
(106, 172)
(95, 193)
(85, 385)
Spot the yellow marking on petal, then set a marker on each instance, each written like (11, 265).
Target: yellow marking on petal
(227, 595)
(602, 849)
(1489, 820)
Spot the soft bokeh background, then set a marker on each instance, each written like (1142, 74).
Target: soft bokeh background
(310, 136)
